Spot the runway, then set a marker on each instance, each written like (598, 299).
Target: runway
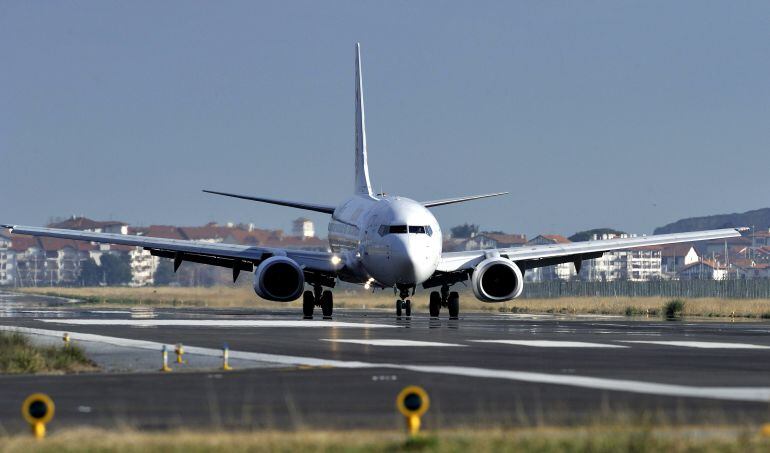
(482, 369)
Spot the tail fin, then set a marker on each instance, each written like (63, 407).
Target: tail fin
(363, 186)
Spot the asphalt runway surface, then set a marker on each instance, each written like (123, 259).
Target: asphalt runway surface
(483, 369)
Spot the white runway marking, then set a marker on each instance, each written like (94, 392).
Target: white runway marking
(389, 342)
(761, 394)
(551, 344)
(702, 344)
(210, 323)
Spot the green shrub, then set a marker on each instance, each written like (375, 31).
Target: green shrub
(673, 308)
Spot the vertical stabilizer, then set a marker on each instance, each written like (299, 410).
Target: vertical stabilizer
(362, 167)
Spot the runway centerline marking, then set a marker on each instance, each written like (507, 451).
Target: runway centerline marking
(212, 323)
(393, 342)
(700, 344)
(760, 394)
(551, 343)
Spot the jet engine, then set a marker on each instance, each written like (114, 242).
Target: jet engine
(497, 280)
(279, 279)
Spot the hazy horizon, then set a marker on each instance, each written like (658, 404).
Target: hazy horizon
(628, 115)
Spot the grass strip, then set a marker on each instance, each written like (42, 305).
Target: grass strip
(544, 440)
(19, 356)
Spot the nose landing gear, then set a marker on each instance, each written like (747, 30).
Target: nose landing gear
(317, 298)
(450, 300)
(403, 304)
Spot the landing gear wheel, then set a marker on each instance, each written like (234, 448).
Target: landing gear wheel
(398, 307)
(308, 304)
(453, 303)
(327, 304)
(408, 308)
(434, 307)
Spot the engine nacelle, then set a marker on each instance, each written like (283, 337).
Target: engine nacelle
(279, 279)
(497, 280)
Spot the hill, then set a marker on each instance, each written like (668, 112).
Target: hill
(759, 219)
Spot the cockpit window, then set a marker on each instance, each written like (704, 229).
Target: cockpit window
(403, 229)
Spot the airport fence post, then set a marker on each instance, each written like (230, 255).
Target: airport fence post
(66, 339)
(164, 353)
(179, 350)
(226, 358)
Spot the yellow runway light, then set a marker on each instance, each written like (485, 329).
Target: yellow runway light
(413, 402)
(38, 409)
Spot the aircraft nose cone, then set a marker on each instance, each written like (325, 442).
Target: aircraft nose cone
(409, 261)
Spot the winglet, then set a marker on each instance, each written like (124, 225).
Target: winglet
(363, 186)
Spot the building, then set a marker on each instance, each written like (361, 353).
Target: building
(675, 257)
(749, 269)
(303, 227)
(7, 260)
(44, 261)
(86, 224)
(564, 271)
(703, 270)
(488, 240)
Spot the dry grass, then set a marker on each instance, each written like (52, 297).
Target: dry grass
(243, 296)
(636, 439)
(18, 355)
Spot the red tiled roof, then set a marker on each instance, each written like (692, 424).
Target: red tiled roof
(83, 223)
(23, 243)
(676, 250)
(158, 231)
(707, 263)
(557, 238)
(505, 238)
(651, 248)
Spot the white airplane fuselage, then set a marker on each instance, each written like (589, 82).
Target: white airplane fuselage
(390, 240)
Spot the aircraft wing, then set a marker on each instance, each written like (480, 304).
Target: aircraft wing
(237, 257)
(533, 256)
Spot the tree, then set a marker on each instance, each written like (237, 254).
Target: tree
(90, 273)
(464, 231)
(164, 274)
(116, 268)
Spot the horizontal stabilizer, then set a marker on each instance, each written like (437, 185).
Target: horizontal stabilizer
(293, 204)
(430, 204)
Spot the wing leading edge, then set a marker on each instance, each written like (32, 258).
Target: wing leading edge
(293, 204)
(529, 257)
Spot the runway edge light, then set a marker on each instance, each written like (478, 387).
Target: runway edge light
(38, 409)
(413, 402)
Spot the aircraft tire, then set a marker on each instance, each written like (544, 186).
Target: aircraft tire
(434, 307)
(408, 308)
(327, 303)
(398, 307)
(308, 304)
(453, 303)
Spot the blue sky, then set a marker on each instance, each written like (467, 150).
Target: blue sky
(619, 114)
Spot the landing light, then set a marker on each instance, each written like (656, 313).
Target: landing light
(368, 283)
(336, 260)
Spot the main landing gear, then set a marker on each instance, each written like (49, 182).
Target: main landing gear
(317, 298)
(403, 304)
(450, 300)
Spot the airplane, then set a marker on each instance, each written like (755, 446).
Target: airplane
(378, 241)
